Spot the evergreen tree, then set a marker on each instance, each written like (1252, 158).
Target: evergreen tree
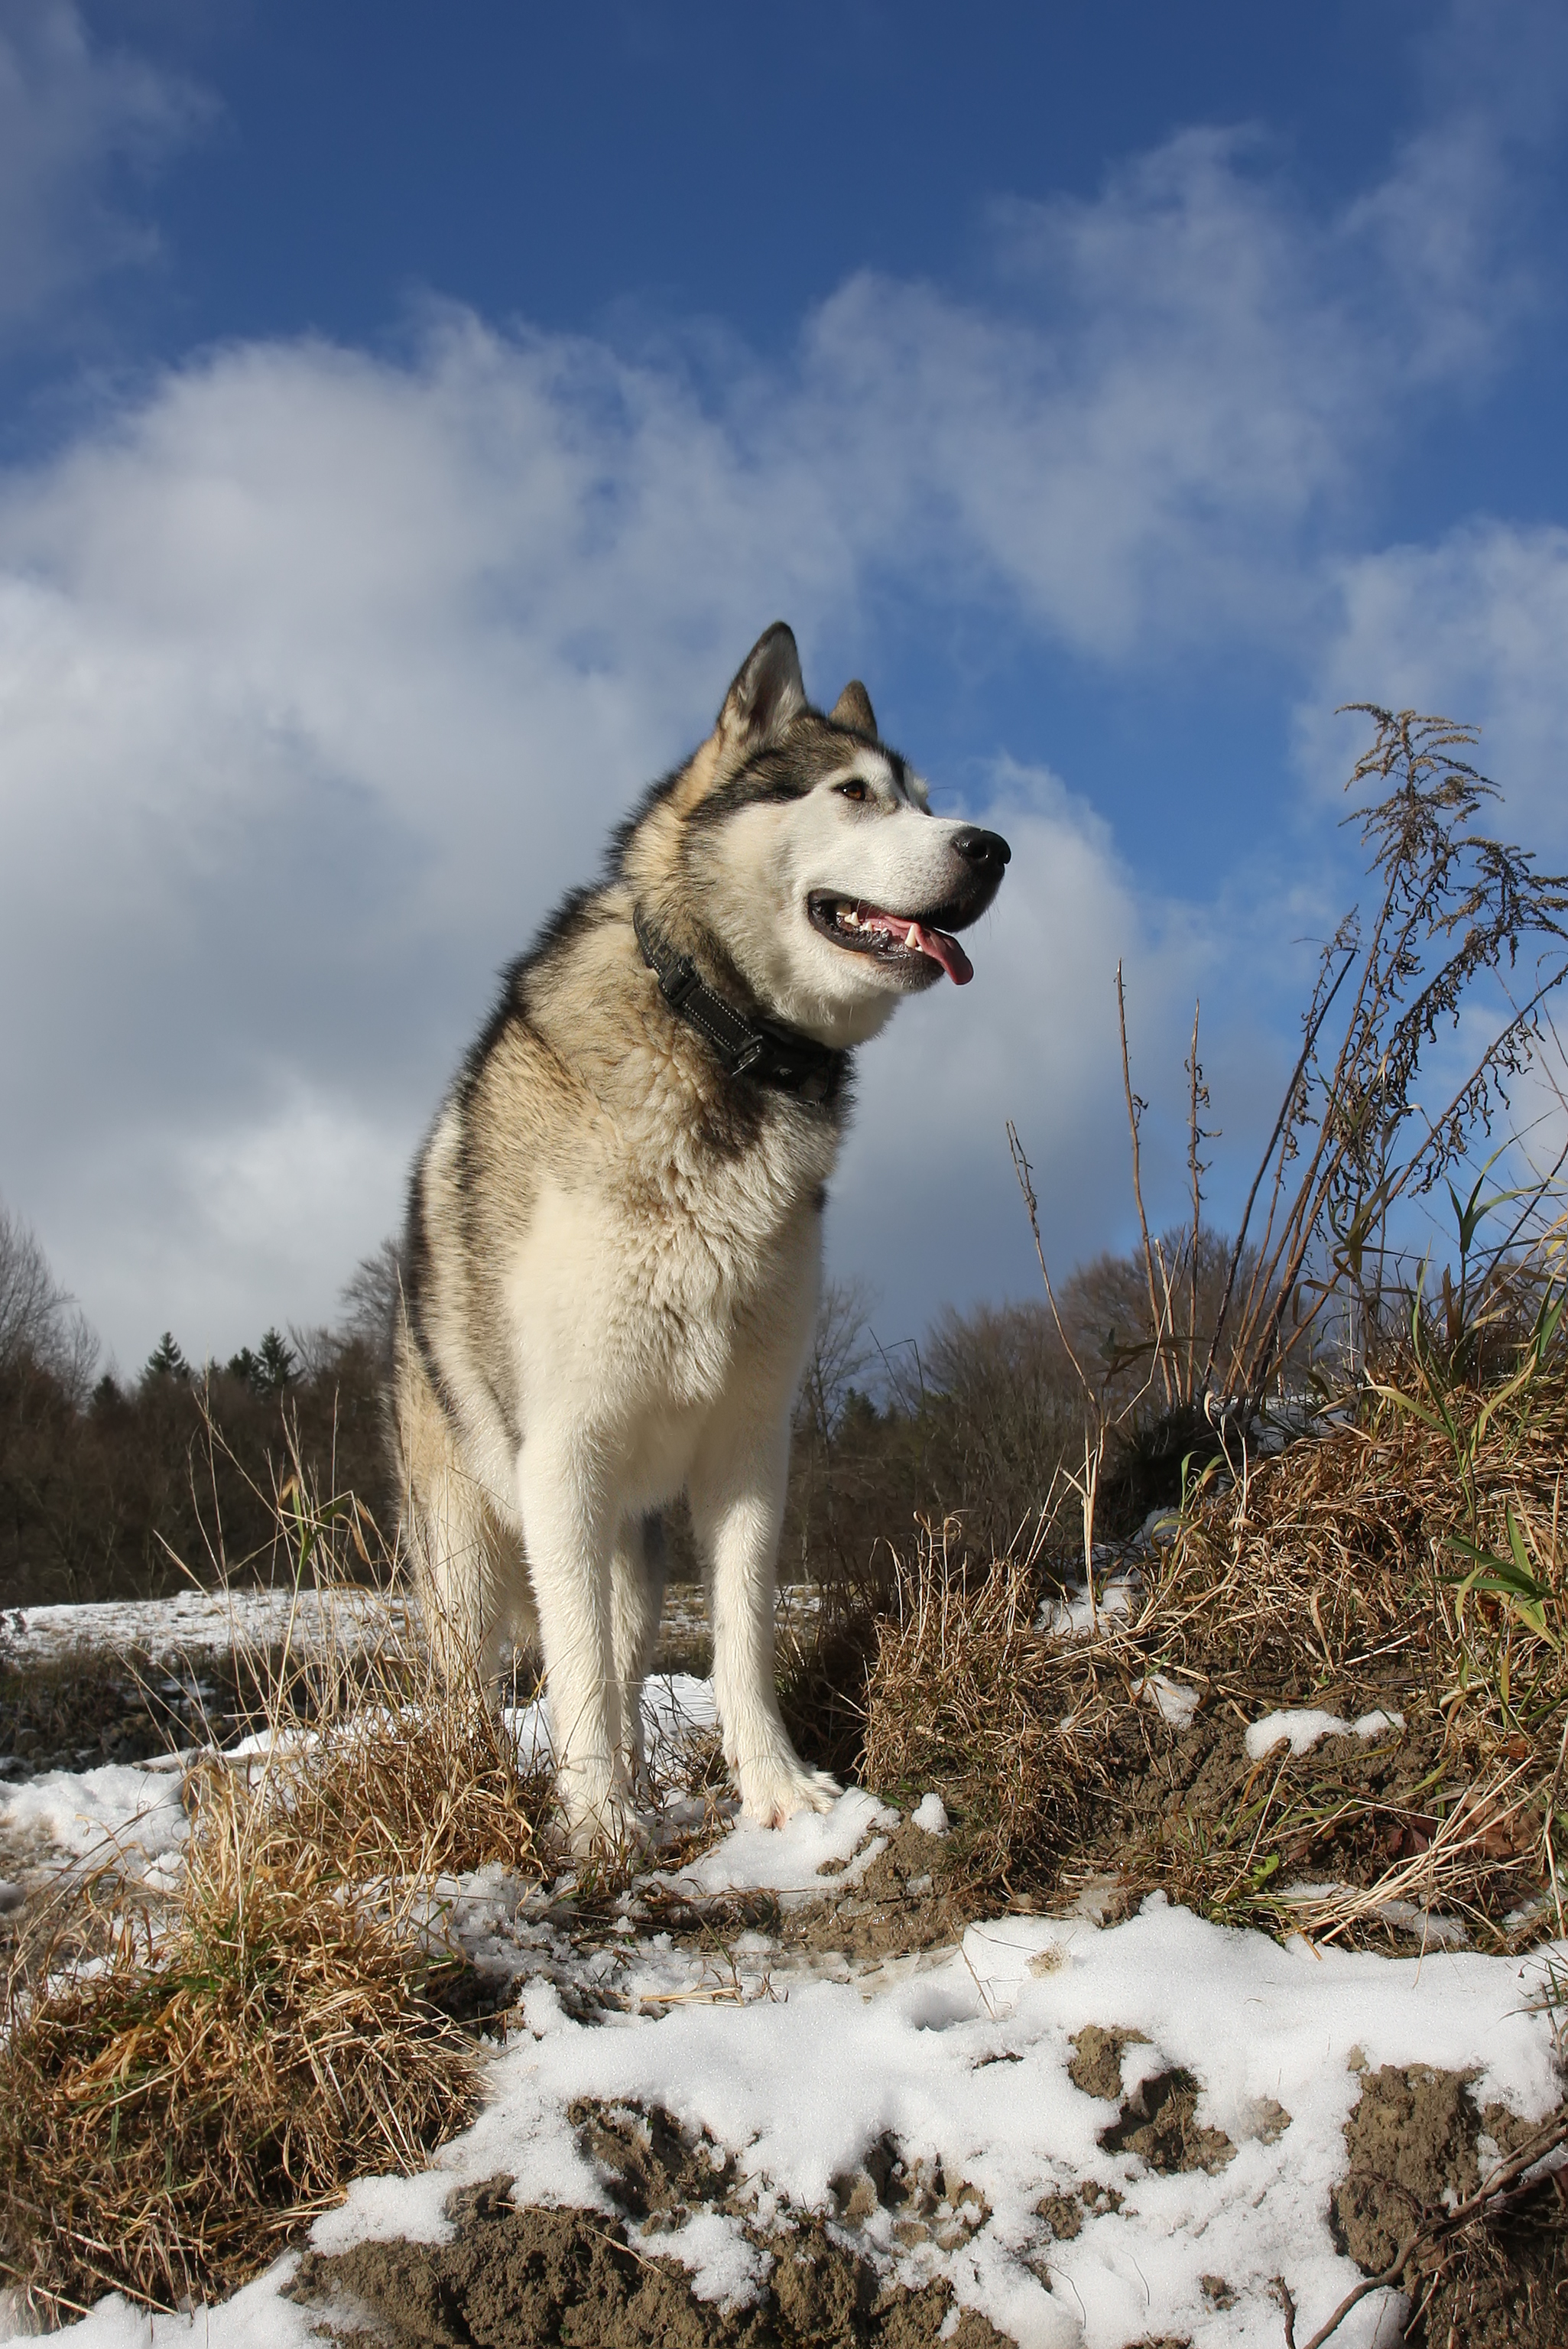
(166, 1360)
(276, 1360)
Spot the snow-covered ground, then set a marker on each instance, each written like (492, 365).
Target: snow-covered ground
(194, 1622)
(798, 2062)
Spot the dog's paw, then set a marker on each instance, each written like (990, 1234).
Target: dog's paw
(601, 1822)
(772, 1793)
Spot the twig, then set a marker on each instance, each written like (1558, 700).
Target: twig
(1134, 1111)
(1433, 2229)
(1197, 1091)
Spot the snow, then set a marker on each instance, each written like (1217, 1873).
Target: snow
(1078, 1612)
(78, 1816)
(1176, 1701)
(931, 1813)
(800, 2088)
(193, 1620)
(796, 2063)
(790, 1860)
(675, 1707)
(1304, 1728)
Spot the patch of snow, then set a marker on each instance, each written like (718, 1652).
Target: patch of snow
(1303, 1729)
(1438, 1931)
(1076, 1614)
(723, 2266)
(258, 2317)
(81, 1815)
(1177, 1702)
(675, 1705)
(800, 2090)
(263, 1744)
(790, 1860)
(193, 1620)
(931, 1813)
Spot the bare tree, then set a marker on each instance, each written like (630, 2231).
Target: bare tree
(841, 1348)
(39, 1322)
(369, 1296)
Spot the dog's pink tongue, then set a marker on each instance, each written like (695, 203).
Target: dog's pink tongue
(946, 951)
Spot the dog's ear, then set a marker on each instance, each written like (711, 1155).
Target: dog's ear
(768, 692)
(853, 708)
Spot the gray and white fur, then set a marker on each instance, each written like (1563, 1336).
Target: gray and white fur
(613, 1254)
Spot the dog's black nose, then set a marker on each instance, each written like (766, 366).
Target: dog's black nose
(986, 851)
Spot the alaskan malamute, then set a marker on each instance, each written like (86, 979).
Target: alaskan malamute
(615, 1230)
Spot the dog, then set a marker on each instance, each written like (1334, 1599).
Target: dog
(613, 1251)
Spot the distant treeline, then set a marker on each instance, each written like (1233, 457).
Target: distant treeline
(129, 1489)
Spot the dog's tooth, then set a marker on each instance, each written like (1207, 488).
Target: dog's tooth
(911, 937)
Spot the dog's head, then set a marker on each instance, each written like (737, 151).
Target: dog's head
(805, 847)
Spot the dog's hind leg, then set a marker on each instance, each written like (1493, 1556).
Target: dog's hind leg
(636, 1597)
(465, 1564)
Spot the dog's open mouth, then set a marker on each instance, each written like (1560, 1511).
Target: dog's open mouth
(891, 938)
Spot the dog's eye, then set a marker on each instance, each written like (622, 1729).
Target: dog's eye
(854, 789)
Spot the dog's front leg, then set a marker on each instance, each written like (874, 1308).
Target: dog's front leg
(737, 1494)
(567, 1529)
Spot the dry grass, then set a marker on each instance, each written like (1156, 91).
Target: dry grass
(1411, 1559)
(185, 2084)
(170, 2112)
(965, 1696)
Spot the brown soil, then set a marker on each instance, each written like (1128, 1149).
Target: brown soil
(1175, 1790)
(1096, 2065)
(1410, 2138)
(1503, 2284)
(1412, 2147)
(903, 1901)
(1157, 2122)
(519, 2277)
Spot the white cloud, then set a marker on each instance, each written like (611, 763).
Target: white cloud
(216, 1229)
(74, 119)
(321, 677)
(1473, 626)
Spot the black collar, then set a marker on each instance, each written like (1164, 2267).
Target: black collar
(763, 1050)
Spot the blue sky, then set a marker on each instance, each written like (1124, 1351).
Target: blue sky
(407, 420)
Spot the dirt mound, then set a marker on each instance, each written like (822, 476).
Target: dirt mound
(570, 2277)
(1413, 2141)
(1159, 2124)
